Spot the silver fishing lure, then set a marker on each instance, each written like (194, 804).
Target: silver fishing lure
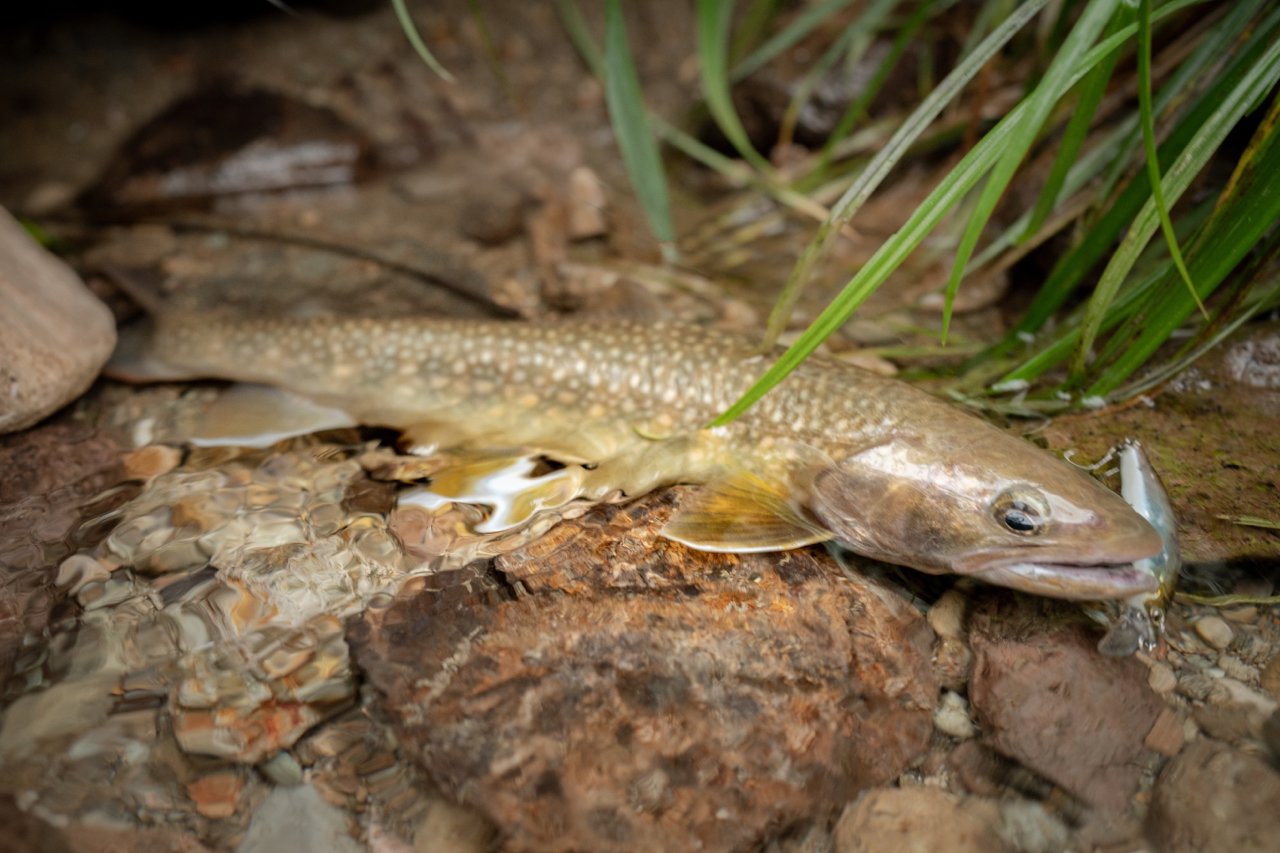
(1142, 616)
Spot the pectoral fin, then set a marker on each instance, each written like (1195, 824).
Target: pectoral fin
(742, 513)
(259, 416)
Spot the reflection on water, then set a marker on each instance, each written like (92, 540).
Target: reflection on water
(206, 611)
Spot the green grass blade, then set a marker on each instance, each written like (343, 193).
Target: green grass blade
(1247, 209)
(1132, 300)
(1204, 63)
(714, 17)
(631, 126)
(884, 161)
(990, 15)
(1072, 268)
(1255, 83)
(852, 44)
(576, 26)
(803, 24)
(946, 195)
(846, 43)
(1081, 172)
(1092, 88)
(411, 32)
(1262, 301)
(755, 23)
(1039, 104)
(1149, 142)
(858, 107)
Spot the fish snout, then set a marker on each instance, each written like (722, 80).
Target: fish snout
(1128, 537)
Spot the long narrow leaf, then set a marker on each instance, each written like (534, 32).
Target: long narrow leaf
(803, 24)
(948, 193)
(1092, 88)
(411, 32)
(1255, 83)
(1249, 207)
(576, 26)
(1149, 142)
(1039, 104)
(891, 254)
(1072, 268)
(888, 157)
(714, 17)
(1260, 298)
(631, 125)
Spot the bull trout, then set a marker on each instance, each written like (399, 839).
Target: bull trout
(529, 417)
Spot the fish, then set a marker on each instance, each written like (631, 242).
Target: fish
(530, 417)
(1141, 620)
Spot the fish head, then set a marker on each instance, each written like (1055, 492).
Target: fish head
(981, 502)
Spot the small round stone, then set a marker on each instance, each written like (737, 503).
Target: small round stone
(952, 716)
(1215, 631)
(946, 616)
(1161, 678)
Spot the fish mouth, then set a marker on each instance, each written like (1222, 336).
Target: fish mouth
(1075, 582)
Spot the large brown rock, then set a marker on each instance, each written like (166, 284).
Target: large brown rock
(1212, 797)
(1046, 697)
(54, 334)
(625, 693)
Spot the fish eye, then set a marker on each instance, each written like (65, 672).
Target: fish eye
(1021, 512)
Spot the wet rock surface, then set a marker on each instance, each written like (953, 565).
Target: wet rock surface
(1051, 701)
(54, 334)
(658, 699)
(50, 477)
(1212, 797)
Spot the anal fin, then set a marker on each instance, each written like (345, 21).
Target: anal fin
(742, 513)
(258, 416)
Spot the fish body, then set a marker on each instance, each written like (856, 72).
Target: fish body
(621, 408)
(1142, 616)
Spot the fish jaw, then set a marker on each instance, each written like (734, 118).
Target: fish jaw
(1099, 560)
(1071, 582)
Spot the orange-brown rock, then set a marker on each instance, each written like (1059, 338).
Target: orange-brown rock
(625, 693)
(1048, 698)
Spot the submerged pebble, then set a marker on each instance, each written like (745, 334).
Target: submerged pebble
(1215, 631)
